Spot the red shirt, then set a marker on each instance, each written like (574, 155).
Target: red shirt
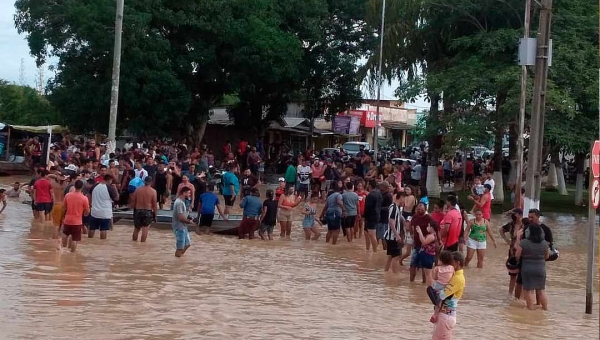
(75, 204)
(361, 201)
(438, 217)
(486, 209)
(278, 193)
(470, 168)
(420, 222)
(43, 191)
(454, 218)
(98, 179)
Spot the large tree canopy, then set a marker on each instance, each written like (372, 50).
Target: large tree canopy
(181, 57)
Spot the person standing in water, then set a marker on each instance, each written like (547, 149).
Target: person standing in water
(362, 195)
(143, 202)
(207, 202)
(476, 233)
(103, 195)
(286, 205)
(512, 228)
(268, 216)
(350, 199)
(43, 196)
(180, 222)
(309, 223)
(333, 212)
(449, 297)
(252, 210)
(394, 234)
(373, 203)
(76, 206)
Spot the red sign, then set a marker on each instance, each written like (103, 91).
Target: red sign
(367, 118)
(595, 159)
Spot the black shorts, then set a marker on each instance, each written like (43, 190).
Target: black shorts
(303, 189)
(142, 218)
(370, 225)
(206, 220)
(469, 178)
(45, 207)
(348, 222)
(229, 200)
(453, 247)
(393, 248)
(519, 279)
(74, 231)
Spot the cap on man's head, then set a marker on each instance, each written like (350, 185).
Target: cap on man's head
(281, 179)
(148, 179)
(487, 186)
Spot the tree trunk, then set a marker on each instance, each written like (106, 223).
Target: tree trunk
(552, 180)
(199, 133)
(500, 129)
(433, 181)
(562, 187)
(579, 160)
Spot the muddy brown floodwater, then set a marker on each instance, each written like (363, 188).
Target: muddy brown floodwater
(286, 289)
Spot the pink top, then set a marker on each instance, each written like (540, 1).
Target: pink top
(486, 209)
(443, 274)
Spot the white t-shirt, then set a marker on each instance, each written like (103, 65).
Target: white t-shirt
(101, 202)
(415, 173)
(304, 174)
(141, 173)
(492, 184)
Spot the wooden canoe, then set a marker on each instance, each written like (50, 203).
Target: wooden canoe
(164, 219)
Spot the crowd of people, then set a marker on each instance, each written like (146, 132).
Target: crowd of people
(382, 203)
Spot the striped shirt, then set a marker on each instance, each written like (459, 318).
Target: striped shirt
(395, 213)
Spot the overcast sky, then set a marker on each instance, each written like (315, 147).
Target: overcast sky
(14, 48)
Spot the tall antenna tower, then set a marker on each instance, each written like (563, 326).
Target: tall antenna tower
(22, 73)
(39, 82)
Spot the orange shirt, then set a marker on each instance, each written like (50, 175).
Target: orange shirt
(75, 204)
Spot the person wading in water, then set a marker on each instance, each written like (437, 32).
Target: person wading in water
(143, 202)
(76, 206)
(180, 222)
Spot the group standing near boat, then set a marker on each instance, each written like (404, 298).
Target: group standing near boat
(391, 215)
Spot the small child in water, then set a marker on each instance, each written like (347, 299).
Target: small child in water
(441, 276)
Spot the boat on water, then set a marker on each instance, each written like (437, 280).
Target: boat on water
(165, 217)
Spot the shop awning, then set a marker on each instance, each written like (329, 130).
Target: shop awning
(392, 125)
(33, 129)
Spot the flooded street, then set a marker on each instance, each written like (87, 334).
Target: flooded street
(224, 288)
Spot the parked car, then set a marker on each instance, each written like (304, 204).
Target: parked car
(352, 148)
(412, 162)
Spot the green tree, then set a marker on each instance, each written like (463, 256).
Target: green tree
(23, 105)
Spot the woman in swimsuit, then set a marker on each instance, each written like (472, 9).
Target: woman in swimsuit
(287, 203)
(310, 223)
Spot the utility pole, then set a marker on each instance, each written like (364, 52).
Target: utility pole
(536, 139)
(521, 121)
(589, 284)
(114, 92)
(376, 128)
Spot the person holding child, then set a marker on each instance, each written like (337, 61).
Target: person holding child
(447, 301)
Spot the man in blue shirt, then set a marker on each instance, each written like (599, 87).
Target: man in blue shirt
(231, 187)
(252, 209)
(206, 207)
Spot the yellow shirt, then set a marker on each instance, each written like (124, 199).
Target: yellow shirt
(455, 289)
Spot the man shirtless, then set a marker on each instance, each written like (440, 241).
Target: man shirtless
(58, 188)
(143, 202)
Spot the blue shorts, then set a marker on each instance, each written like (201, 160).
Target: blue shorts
(420, 259)
(182, 237)
(334, 220)
(45, 207)
(380, 230)
(308, 222)
(102, 224)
